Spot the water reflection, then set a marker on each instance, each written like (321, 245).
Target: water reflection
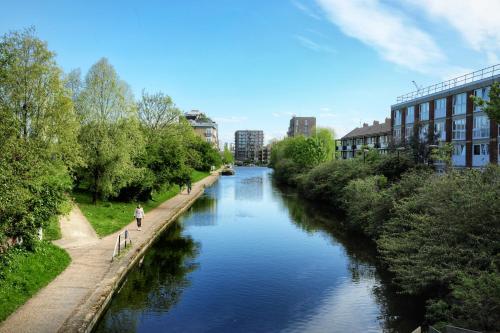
(270, 262)
(250, 189)
(156, 284)
(396, 313)
(203, 212)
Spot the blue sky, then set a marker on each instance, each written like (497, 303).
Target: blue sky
(251, 64)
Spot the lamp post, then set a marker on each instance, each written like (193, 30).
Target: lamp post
(431, 147)
(398, 150)
(364, 154)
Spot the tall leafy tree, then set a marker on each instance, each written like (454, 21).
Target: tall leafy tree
(37, 136)
(157, 111)
(110, 134)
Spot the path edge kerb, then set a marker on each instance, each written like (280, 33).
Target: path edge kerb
(90, 319)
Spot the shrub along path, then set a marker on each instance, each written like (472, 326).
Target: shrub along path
(73, 300)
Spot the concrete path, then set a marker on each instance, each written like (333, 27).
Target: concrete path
(75, 299)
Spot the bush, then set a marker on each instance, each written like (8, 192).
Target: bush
(449, 225)
(327, 181)
(367, 204)
(393, 166)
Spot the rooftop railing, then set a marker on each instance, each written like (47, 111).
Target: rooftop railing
(481, 74)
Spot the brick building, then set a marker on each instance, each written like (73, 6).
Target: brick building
(305, 126)
(444, 112)
(375, 136)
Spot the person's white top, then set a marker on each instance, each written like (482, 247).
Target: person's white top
(139, 213)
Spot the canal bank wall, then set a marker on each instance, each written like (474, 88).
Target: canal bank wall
(77, 298)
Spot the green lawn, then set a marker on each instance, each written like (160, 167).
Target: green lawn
(110, 216)
(23, 273)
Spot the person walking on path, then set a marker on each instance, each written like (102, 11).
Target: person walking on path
(189, 185)
(139, 215)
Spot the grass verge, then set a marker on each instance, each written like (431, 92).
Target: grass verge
(23, 273)
(110, 216)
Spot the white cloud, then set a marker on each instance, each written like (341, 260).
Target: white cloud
(388, 31)
(476, 20)
(283, 114)
(306, 10)
(314, 46)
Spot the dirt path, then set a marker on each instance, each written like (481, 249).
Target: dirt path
(73, 301)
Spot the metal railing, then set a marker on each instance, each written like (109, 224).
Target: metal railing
(481, 74)
(123, 237)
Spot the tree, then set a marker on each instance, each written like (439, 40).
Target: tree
(37, 136)
(110, 134)
(227, 156)
(326, 137)
(157, 111)
(491, 107)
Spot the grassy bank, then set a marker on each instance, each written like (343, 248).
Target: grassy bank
(23, 273)
(110, 216)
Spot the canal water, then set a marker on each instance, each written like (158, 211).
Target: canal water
(248, 257)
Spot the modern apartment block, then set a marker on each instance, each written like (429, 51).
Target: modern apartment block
(444, 112)
(376, 136)
(305, 126)
(248, 145)
(204, 127)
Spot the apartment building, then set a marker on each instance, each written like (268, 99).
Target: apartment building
(305, 126)
(444, 112)
(248, 145)
(375, 136)
(204, 127)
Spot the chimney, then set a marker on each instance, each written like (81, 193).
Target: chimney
(365, 125)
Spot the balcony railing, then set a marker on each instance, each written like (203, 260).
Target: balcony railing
(481, 74)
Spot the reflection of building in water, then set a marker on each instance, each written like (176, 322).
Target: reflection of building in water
(202, 213)
(250, 189)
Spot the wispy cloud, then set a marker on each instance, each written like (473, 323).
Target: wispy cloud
(306, 10)
(230, 120)
(475, 20)
(314, 46)
(387, 30)
(282, 114)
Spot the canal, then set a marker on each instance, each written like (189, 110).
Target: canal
(248, 257)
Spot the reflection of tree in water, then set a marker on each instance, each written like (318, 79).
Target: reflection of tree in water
(250, 189)
(399, 313)
(203, 212)
(157, 284)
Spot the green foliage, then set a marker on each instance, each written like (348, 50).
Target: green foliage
(110, 216)
(227, 156)
(206, 155)
(110, 133)
(448, 228)
(393, 166)
(367, 204)
(327, 181)
(443, 154)
(326, 138)
(37, 136)
(491, 107)
(24, 273)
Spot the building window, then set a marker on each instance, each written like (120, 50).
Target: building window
(410, 115)
(397, 117)
(481, 127)
(459, 150)
(440, 130)
(459, 103)
(483, 93)
(397, 134)
(424, 111)
(408, 132)
(458, 129)
(482, 149)
(424, 132)
(440, 108)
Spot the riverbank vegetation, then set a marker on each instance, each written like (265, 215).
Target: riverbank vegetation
(23, 273)
(437, 234)
(107, 217)
(62, 134)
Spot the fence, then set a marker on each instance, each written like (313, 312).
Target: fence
(481, 74)
(122, 238)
